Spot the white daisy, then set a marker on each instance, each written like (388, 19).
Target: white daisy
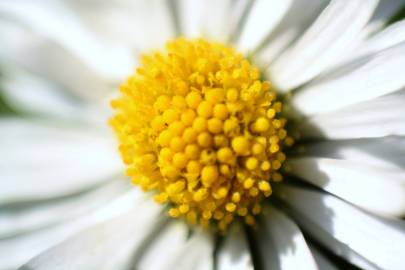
(336, 67)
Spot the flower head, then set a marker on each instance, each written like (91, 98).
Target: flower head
(199, 128)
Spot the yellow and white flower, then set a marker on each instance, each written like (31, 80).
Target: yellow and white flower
(274, 129)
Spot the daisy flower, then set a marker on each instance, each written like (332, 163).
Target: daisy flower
(197, 134)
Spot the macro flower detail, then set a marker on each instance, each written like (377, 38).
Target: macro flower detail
(202, 134)
(198, 126)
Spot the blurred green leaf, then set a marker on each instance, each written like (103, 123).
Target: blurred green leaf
(5, 108)
(399, 15)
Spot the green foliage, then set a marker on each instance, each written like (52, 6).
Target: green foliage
(5, 108)
(399, 15)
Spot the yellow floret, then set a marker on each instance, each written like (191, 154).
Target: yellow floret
(193, 99)
(241, 145)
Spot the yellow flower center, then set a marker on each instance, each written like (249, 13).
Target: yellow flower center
(198, 127)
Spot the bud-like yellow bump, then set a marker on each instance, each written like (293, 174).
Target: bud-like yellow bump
(166, 154)
(230, 207)
(180, 160)
(209, 174)
(177, 128)
(177, 144)
(261, 124)
(232, 95)
(170, 115)
(164, 138)
(158, 124)
(190, 135)
(215, 96)
(257, 148)
(187, 117)
(179, 102)
(264, 186)
(251, 163)
(225, 155)
(192, 151)
(271, 113)
(221, 111)
(241, 145)
(200, 124)
(204, 140)
(236, 197)
(204, 109)
(248, 183)
(162, 103)
(265, 166)
(224, 169)
(193, 99)
(215, 125)
(193, 166)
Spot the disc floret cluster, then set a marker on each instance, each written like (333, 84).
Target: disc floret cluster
(198, 127)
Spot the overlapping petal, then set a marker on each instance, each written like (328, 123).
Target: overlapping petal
(361, 238)
(41, 160)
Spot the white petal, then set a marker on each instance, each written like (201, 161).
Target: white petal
(299, 15)
(387, 152)
(349, 232)
(331, 35)
(378, 117)
(197, 254)
(234, 253)
(238, 17)
(390, 36)
(16, 220)
(31, 94)
(17, 250)
(372, 44)
(42, 160)
(217, 19)
(55, 20)
(383, 13)
(51, 61)
(107, 245)
(208, 18)
(281, 243)
(322, 262)
(372, 34)
(167, 244)
(377, 189)
(190, 14)
(364, 79)
(263, 16)
(143, 25)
